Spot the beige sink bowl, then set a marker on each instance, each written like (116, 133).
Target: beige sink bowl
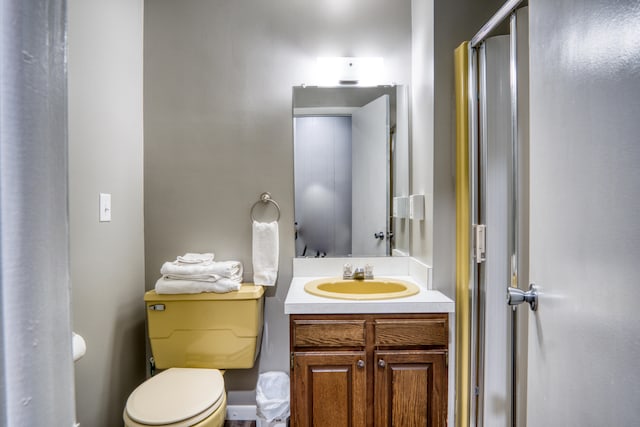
(374, 289)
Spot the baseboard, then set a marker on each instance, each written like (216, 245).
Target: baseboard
(241, 412)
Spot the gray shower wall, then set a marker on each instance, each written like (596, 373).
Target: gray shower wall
(218, 129)
(322, 157)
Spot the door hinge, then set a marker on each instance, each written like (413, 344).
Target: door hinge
(292, 356)
(479, 242)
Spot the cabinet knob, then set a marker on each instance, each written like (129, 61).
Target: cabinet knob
(382, 363)
(360, 363)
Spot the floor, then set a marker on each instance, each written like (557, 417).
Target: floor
(239, 423)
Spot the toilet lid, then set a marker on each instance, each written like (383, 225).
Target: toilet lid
(175, 395)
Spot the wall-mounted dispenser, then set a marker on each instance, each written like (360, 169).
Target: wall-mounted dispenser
(416, 207)
(401, 207)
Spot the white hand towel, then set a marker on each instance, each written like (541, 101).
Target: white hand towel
(228, 269)
(169, 286)
(265, 253)
(193, 258)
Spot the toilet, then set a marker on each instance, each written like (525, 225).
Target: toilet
(193, 337)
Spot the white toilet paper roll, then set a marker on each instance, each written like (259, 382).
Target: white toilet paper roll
(79, 346)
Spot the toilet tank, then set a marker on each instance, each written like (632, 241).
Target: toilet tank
(207, 330)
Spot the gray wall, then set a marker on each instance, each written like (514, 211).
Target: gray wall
(218, 130)
(105, 155)
(457, 21)
(422, 104)
(438, 28)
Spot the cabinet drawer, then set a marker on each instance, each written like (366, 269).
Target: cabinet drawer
(328, 333)
(411, 332)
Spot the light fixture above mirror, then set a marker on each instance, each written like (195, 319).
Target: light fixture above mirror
(339, 70)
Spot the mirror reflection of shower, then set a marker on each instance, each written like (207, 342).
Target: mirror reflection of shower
(323, 185)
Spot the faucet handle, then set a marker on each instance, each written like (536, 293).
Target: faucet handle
(347, 271)
(368, 271)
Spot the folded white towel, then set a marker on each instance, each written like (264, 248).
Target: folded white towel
(265, 253)
(169, 286)
(202, 277)
(193, 258)
(199, 277)
(228, 269)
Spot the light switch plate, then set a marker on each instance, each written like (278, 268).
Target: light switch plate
(105, 207)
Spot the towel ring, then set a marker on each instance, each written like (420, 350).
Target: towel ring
(265, 198)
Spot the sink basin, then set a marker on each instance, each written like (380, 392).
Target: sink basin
(380, 288)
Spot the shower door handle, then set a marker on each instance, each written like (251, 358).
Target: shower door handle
(517, 296)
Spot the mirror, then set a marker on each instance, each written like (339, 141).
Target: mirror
(351, 162)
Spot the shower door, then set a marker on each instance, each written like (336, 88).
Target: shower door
(499, 77)
(496, 214)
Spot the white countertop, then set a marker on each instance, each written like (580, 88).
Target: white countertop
(426, 301)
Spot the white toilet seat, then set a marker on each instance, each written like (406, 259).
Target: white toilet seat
(177, 397)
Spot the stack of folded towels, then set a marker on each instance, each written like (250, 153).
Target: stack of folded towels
(193, 273)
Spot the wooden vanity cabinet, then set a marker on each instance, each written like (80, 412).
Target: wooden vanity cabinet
(366, 370)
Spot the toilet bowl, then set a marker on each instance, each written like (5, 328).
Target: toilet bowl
(178, 397)
(192, 337)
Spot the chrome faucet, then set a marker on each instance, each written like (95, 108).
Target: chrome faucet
(360, 273)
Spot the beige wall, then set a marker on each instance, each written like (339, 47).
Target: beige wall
(218, 131)
(105, 155)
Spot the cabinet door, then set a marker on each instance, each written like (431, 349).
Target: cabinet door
(329, 389)
(410, 388)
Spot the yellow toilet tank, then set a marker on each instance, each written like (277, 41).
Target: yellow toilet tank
(207, 330)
